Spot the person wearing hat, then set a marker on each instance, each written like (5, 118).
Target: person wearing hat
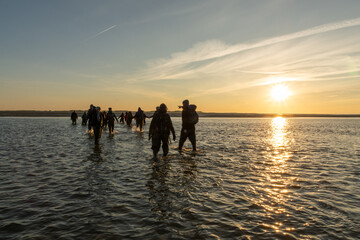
(159, 130)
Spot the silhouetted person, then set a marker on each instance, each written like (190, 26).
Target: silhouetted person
(97, 122)
(84, 119)
(129, 119)
(105, 120)
(90, 116)
(110, 116)
(122, 118)
(74, 117)
(189, 119)
(126, 117)
(139, 118)
(159, 131)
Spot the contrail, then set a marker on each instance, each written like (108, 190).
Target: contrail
(105, 30)
(102, 32)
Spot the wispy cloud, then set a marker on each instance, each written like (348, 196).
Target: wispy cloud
(299, 56)
(216, 49)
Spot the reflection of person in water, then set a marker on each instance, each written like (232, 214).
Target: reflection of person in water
(74, 117)
(98, 186)
(96, 155)
(159, 131)
(159, 190)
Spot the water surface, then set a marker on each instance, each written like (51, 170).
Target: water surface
(251, 179)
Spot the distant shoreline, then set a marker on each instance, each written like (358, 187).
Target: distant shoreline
(33, 113)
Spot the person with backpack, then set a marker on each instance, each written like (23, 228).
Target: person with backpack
(159, 131)
(110, 116)
(189, 118)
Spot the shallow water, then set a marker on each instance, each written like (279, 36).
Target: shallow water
(251, 179)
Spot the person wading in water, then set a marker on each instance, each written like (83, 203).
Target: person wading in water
(97, 122)
(189, 118)
(74, 117)
(159, 131)
(110, 116)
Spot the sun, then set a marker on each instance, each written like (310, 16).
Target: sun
(280, 93)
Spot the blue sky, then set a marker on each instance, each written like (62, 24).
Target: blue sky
(223, 55)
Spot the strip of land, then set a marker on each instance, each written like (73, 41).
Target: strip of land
(35, 113)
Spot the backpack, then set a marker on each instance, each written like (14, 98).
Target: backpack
(97, 118)
(194, 116)
(161, 124)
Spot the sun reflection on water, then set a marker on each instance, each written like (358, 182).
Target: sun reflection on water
(276, 175)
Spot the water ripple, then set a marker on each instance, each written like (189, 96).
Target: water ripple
(251, 179)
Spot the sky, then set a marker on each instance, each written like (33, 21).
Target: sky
(224, 56)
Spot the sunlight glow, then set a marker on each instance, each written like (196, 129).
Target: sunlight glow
(280, 93)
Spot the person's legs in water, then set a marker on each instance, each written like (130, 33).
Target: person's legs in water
(141, 126)
(156, 142)
(183, 137)
(192, 138)
(111, 126)
(165, 144)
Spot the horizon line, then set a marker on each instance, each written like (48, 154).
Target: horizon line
(19, 113)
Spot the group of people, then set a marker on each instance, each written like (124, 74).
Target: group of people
(160, 127)
(98, 120)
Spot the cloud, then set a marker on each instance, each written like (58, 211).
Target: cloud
(216, 49)
(307, 55)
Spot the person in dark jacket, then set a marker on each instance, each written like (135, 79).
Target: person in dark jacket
(189, 119)
(129, 119)
(110, 116)
(105, 120)
(122, 117)
(139, 118)
(90, 117)
(159, 131)
(84, 119)
(97, 123)
(74, 117)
